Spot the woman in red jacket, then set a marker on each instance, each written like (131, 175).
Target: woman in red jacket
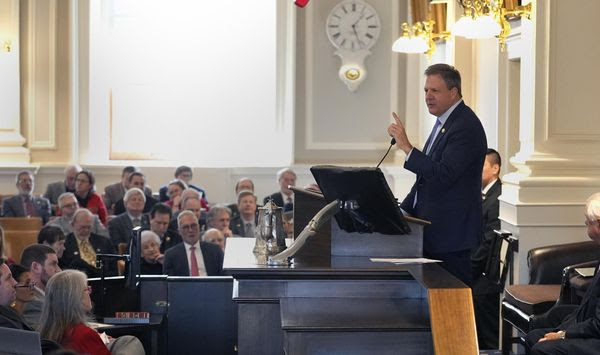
(65, 312)
(87, 197)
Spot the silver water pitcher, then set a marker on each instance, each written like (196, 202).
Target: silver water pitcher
(269, 232)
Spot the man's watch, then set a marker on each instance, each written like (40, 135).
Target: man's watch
(561, 334)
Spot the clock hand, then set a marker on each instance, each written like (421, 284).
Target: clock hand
(356, 34)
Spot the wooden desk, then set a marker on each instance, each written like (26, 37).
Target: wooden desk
(347, 281)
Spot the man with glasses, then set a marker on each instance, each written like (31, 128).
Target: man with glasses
(8, 317)
(192, 257)
(25, 204)
(82, 247)
(55, 189)
(67, 203)
(42, 262)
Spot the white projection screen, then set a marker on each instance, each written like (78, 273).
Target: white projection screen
(192, 81)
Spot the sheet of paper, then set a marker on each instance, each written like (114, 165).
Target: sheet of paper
(399, 261)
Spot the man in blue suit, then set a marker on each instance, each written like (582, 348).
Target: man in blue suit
(447, 190)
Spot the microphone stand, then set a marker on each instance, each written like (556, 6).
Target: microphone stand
(100, 264)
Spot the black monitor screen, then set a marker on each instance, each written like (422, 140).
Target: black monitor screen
(378, 210)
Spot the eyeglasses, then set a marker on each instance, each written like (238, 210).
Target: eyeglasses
(189, 227)
(85, 181)
(70, 205)
(30, 285)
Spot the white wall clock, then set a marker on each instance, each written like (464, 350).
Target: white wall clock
(353, 27)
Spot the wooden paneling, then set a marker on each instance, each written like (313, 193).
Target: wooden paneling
(452, 321)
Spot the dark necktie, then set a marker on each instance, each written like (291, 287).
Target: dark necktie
(29, 209)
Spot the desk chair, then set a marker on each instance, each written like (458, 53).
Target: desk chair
(548, 268)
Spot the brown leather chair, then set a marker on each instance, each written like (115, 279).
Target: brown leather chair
(550, 269)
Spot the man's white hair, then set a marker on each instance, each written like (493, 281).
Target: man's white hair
(132, 191)
(592, 207)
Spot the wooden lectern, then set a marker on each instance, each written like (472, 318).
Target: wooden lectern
(334, 299)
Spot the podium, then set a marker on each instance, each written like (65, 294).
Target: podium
(334, 299)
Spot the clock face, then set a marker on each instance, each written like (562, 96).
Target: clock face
(353, 25)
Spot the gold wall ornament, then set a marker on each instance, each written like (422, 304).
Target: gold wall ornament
(352, 74)
(7, 46)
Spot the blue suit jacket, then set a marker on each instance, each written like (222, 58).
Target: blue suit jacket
(176, 264)
(448, 184)
(13, 207)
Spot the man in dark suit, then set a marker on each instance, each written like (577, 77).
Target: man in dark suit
(486, 295)
(158, 222)
(286, 177)
(192, 257)
(241, 185)
(55, 189)
(447, 190)
(25, 204)
(245, 224)
(119, 228)
(567, 329)
(82, 247)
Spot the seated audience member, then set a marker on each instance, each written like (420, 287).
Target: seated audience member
(23, 288)
(115, 192)
(174, 190)
(486, 296)
(82, 245)
(138, 180)
(286, 177)
(67, 204)
(192, 257)
(55, 189)
(214, 236)
(219, 217)
(242, 185)
(571, 329)
(190, 201)
(245, 223)
(9, 318)
(160, 216)
(42, 263)
(24, 204)
(119, 228)
(87, 197)
(54, 238)
(66, 312)
(152, 258)
(185, 174)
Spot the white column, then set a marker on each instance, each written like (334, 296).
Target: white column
(11, 141)
(557, 162)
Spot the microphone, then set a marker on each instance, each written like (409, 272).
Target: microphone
(392, 142)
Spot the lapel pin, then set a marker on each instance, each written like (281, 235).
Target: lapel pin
(443, 130)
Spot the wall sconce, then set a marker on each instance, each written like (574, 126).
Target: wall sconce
(421, 37)
(7, 46)
(488, 19)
